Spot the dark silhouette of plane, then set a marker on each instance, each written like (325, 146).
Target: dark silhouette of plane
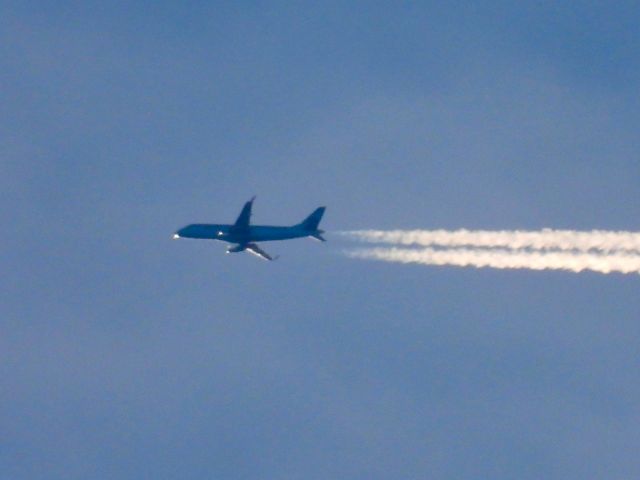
(244, 236)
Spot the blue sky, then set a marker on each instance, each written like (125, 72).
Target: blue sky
(124, 354)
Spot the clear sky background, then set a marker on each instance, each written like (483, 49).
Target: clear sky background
(124, 354)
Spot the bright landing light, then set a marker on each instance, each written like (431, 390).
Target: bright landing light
(176, 236)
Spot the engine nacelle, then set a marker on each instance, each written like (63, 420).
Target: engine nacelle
(236, 249)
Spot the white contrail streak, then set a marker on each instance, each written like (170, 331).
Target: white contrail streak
(535, 260)
(596, 240)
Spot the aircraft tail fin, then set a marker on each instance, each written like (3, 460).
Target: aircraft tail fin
(313, 220)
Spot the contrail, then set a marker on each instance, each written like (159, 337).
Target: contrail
(598, 250)
(547, 239)
(535, 260)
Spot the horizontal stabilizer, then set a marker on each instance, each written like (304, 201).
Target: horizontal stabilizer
(318, 236)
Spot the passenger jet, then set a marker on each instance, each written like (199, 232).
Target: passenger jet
(243, 236)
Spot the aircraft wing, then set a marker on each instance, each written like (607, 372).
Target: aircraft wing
(256, 250)
(245, 215)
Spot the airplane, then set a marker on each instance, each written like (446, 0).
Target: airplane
(243, 236)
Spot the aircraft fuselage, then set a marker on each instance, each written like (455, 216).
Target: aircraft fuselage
(253, 233)
(246, 236)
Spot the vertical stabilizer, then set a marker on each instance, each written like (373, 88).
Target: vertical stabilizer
(312, 221)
